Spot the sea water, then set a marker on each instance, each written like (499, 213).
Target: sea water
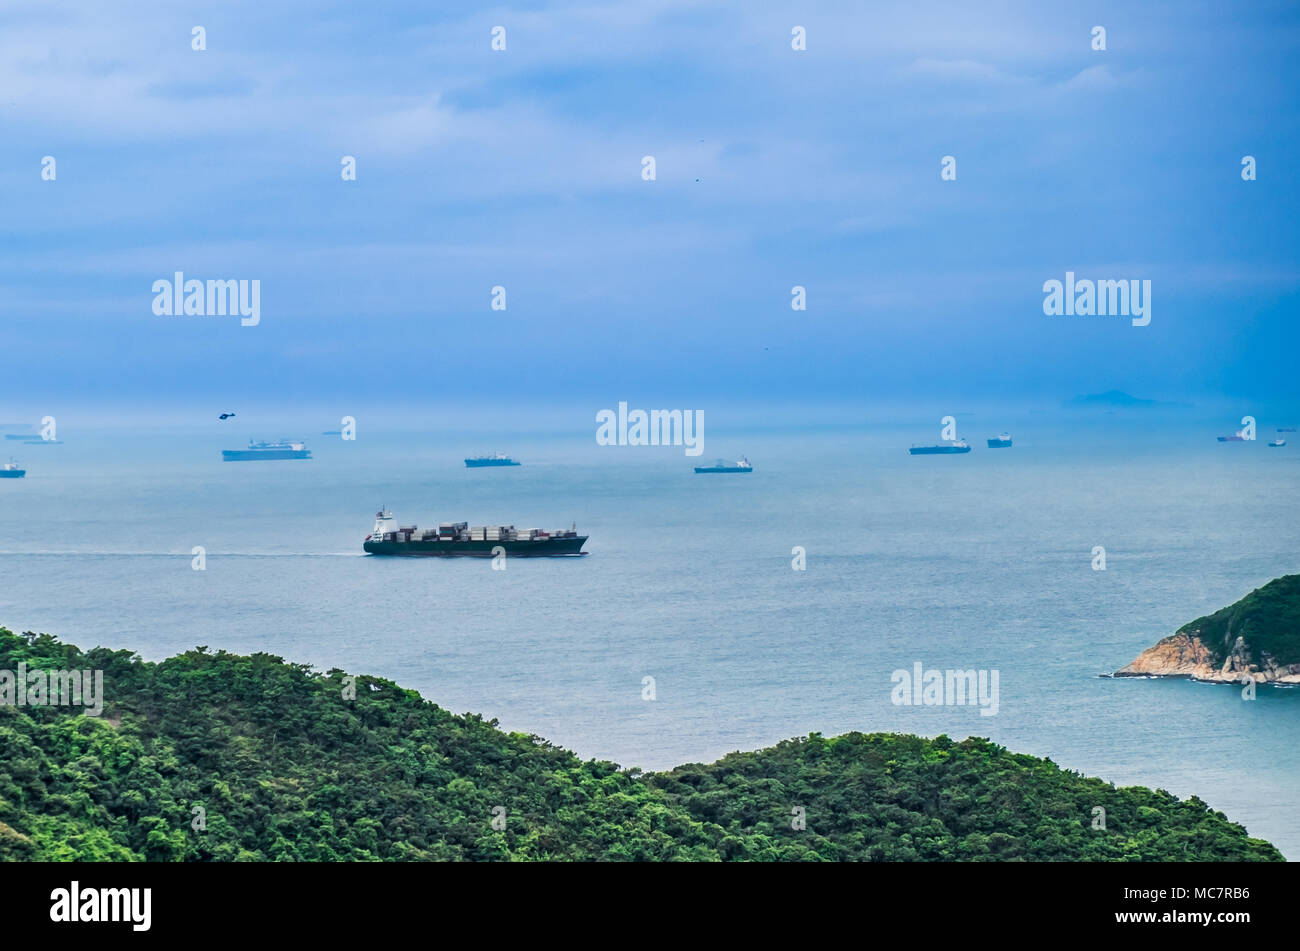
(974, 562)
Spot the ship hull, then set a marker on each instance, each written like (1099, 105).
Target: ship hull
(12, 473)
(488, 463)
(999, 443)
(249, 455)
(938, 450)
(542, 548)
(723, 469)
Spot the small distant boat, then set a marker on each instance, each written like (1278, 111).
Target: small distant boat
(947, 449)
(740, 465)
(11, 470)
(1278, 442)
(19, 435)
(1000, 442)
(1286, 429)
(258, 451)
(1238, 436)
(496, 459)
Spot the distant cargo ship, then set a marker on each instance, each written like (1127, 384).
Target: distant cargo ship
(1238, 436)
(1000, 442)
(1286, 429)
(458, 539)
(740, 465)
(944, 450)
(496, 459)
(267, 450)
(11, 470)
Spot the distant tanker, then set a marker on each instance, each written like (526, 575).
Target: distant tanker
(266, 450)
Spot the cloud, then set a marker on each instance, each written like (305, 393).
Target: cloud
(474, 167)
(964, 70)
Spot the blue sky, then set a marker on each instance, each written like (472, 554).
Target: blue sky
(522, 168)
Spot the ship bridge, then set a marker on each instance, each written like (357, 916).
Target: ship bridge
(384, 522)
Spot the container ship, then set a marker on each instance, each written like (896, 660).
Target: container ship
(266, 450)
(484, 462)
(740, 465)
(453, 539)
(944, 450)
(11, 470)
(1000, 442)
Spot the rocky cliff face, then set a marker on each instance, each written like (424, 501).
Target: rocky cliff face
(1185, 655)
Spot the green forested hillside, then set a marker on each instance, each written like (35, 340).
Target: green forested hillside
(895, 797)
(1268, 619)
(284, 767)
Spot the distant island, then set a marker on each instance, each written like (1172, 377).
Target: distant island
(1257, 637)
(1113, 399)
(219, 757)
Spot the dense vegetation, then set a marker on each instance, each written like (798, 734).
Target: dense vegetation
(1268, 619)
(285, 768)
(892, 797)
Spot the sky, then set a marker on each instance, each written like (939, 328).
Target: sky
(522, 168)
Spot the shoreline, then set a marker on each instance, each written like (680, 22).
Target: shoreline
(1184, 656)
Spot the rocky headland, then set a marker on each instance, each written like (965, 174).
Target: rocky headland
(1257, 637)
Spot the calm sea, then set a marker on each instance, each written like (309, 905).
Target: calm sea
(981, 561)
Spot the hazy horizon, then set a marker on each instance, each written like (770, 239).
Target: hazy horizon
(578, 417)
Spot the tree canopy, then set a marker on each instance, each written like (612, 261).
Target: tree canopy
(212, 756)
(1268, 620)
